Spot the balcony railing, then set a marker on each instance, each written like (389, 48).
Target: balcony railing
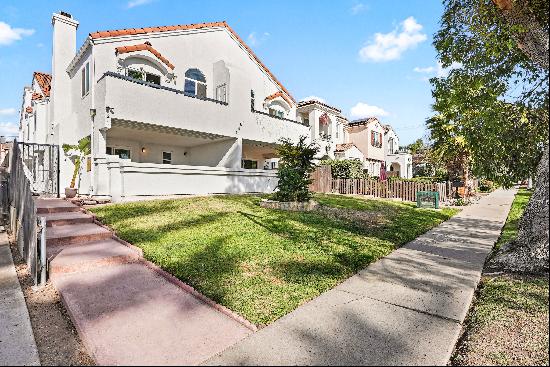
(156, 86)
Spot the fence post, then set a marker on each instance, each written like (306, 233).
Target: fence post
(43, 261)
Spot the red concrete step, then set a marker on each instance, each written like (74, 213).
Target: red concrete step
(88, 256)
(49, 206)
(76, 233)
(67, 218)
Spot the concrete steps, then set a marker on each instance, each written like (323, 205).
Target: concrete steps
(67, 218)
(49, 206)
(76, 233)
(89, 255)
(75, 243)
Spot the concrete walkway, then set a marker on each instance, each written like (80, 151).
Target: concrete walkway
(17, 345)
(406, 309)
(125, 312)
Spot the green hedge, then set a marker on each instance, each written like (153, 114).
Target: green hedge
(345, 168)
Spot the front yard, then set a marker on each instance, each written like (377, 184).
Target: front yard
(264, 263)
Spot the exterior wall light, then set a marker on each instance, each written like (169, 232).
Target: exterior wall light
(143, 150)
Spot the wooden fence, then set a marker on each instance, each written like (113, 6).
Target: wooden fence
(322, 181)
(389, 189)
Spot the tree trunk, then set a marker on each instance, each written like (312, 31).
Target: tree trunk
(529, 252)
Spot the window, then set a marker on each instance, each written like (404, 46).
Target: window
(249, 164)
(376, 139)
(252, 100)
(195, 83)
(85, 79)
(121, 152)
(273, 165)
(142, 75)
(221, 93)
(152, 78)
(274, 112)
(166, 157)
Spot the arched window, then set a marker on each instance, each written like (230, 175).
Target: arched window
(195, 83)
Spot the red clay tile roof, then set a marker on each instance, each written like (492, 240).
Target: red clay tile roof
(44, 81)
(28, 110)
(134, 31)
(365, 121)
(313, 101)
(145, 47)
(278, 94)
(36, 96)
(344, 147)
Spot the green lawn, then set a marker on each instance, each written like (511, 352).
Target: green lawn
(264, 263)
(510, 229)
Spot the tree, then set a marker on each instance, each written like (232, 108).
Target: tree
(416, 147)
(77, 153)
(295, 168)
(496, 101)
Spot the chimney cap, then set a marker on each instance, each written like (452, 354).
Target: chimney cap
(65, 14)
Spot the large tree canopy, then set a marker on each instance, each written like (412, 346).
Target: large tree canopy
(494, 105)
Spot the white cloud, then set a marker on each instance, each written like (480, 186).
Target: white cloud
(9, 35)
(314, 98)
(9, 128)
(363, 110)
(255, 40)
(390, 46)
(438, 70)
(133, 3)
(7, 111)
(426, 70)
(358, 8)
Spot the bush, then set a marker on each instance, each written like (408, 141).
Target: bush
(345, 168)
(294, 171)
(486, 186)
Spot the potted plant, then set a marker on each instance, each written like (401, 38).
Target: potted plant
(76, 153)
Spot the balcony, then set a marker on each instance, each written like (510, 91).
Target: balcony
(119, 98)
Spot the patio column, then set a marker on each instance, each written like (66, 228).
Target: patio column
(234, 155)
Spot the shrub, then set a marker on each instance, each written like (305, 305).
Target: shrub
(345, 168)
(294, 171)
(486, 186)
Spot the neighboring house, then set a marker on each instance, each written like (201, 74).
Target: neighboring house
(397, 160)
(184, 109)
(368, 135)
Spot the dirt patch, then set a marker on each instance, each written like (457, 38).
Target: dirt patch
(363, 218)
(506, 327)
(56, 338)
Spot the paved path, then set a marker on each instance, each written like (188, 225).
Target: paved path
(17, 345)
(406, 309)
(124, 311)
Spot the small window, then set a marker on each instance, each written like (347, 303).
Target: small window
(166, 157)
(252, 100)
(134, 74)
(152, 78)
(195, 83)
(274, 112)
(221, 93)
(273, 165)
(249, 164)
(121, 152)
(85, 79)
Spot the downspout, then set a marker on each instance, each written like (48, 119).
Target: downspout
(92, 115)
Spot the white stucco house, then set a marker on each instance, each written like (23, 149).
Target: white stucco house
(184, 109)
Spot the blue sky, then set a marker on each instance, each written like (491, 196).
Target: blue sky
(365, 57)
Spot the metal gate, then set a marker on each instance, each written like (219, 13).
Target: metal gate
(41, 165)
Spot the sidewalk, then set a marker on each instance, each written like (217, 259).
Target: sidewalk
(17, 345)
(406, 309)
